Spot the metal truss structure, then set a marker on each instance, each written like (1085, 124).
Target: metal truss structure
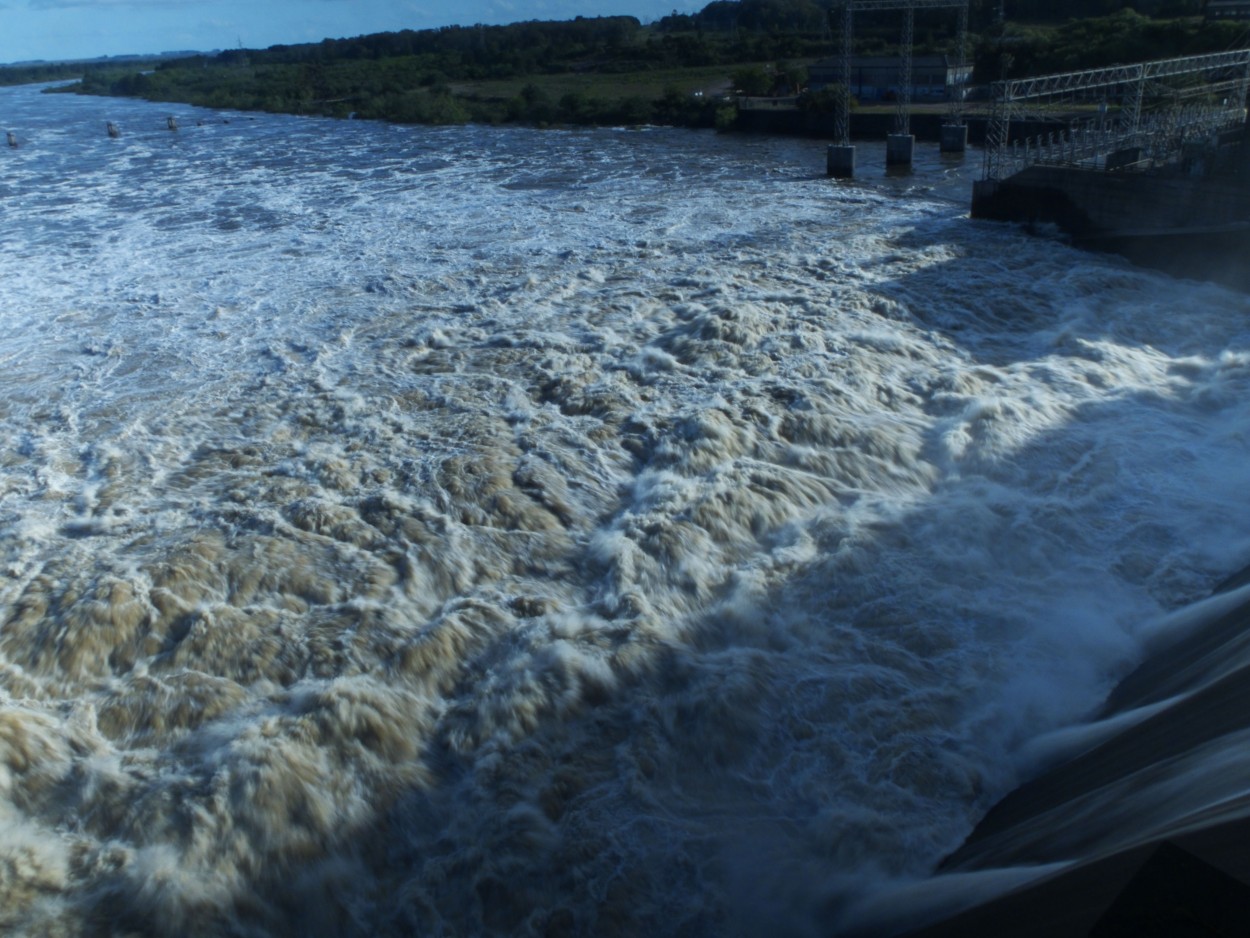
(1157, 106)
(902, 109)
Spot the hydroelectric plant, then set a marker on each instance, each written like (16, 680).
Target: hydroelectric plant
(1148, 160)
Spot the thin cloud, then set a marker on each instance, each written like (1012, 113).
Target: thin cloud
(65, 4)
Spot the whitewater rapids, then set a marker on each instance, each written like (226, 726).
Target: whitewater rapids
(489, 531)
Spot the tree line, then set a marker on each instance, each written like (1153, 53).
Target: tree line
(592, 70)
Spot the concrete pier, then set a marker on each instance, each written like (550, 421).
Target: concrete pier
(840, 162)
(954, 138)
(898, 149)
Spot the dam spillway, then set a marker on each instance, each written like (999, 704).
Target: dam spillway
(1155, 788)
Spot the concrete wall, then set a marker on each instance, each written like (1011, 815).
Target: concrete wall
(1189, 226)
(1092, 202)
(875, 126)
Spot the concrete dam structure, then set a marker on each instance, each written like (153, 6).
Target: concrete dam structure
(1161, 179)
(1140, 824)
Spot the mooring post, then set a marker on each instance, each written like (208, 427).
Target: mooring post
(171, 122)
(112, 130)
(840, 161)
(12, 138)
(954, 138)
(840, 158)
(900, 144)
(898, 149)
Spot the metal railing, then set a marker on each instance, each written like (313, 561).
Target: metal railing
(1153, 111)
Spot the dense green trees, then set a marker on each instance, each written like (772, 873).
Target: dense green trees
(592, 70)
(1123, 36)
(31, 72)
(1059, 11)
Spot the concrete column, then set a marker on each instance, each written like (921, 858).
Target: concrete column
(898, 149)
(840, 162)
(954, 138)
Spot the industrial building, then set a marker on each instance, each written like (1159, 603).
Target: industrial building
(876, 77)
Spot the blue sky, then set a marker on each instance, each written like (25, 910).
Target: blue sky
(69, 29)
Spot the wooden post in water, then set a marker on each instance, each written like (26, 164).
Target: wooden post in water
(112, 129)
(171, 122)
(12, 139)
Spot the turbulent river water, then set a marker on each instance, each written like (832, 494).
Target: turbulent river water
(492, 531)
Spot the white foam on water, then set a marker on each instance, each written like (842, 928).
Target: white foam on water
(491, 531)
